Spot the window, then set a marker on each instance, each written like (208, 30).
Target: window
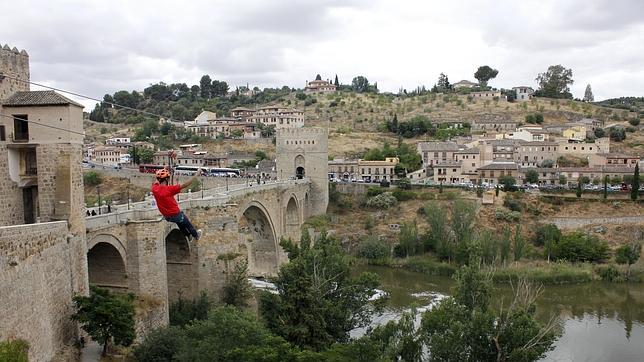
(2, 134)
(20, 128)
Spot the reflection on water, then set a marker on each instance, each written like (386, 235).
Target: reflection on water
(600, 321)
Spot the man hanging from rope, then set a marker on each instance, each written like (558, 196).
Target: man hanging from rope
(168, 207)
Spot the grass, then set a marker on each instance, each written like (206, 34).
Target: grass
(553, 273)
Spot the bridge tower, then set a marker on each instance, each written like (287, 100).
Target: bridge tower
(303, 153)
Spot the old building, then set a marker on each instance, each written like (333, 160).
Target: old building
(533, 154)
(448, 172)
(319, 86)
(14, 71)
(464, 84)
(613, 159)
(493, 125)
(107, 156)
(581, 149)
(433, 152)
(491, 173)
(344, 169)
(524, 93)
(470, 159)
(487, 95)
(278, 117)
(376, 171)
(577, 132)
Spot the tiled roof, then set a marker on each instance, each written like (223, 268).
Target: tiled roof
(438, 146)
(38, 98)
(469, 151)
(500, 166)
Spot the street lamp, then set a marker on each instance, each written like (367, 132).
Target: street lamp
(98, 191)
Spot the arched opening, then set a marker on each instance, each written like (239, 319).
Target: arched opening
(292, 220)
(258, 231)
(106, 267)
(178, 266)
(299, 173)
(299, 167)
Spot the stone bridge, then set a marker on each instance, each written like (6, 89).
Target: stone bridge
(137, 251)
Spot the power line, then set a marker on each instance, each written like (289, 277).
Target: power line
(87, 97)
(41, 124)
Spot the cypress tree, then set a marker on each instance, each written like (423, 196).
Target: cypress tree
(605, 186)
(635, 184)
(336, 83)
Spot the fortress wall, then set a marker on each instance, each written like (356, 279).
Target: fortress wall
(37, 285)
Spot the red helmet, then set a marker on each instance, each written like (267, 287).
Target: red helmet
(162, 174)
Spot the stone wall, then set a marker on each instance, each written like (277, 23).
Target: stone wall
(11, 208)
(579, 222)
(38, 279)
(16, 64)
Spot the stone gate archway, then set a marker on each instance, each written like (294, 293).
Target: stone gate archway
(106, 266)
(300, 172)
(257, 228)
(179, 266)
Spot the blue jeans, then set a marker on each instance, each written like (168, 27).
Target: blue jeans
(184, 224)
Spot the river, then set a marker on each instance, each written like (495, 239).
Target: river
(599, 321)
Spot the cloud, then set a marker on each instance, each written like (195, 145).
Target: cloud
(101, 47)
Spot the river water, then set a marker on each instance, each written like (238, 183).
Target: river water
(599, 321)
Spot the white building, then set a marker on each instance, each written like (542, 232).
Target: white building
(524, 93)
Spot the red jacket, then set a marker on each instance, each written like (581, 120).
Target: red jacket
(164, 195)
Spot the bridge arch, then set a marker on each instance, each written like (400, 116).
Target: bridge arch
(292, 218)
(106, 266)
(256, 225)
(179, 266)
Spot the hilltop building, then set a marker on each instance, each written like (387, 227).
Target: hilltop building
(319, 86)
(524, 93)
(464, 84)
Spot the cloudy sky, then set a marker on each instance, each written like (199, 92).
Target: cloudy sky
(98, 47)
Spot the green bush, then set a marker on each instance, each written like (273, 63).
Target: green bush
(373, 248)
(556, 273)
(92, 178)
(403, 195)
(382, 201)
(429, 267)
(609, 273)
(14, 351)
(579, 247)
(374, 191)
(504, 215)
(185, 311)
(513, 205)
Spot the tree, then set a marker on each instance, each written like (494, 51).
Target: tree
(336, 82)
(237, 290)
(578, 192)
(408, 240)
(205, 84)
(438, 239)
(635, 183)
(92, 178)
(319, 299)
(532, 176)
(588, 94)
(360, 84)
(563, 180)
(228, 334)
(547, 236)
(508, 182)
(463, 216)
(606, 181)
(628, 254)
(599, 132)
(443, 83)
(404, 183)
(106, 316)
(519, 243)
(506, 243)
(484, 74)
(617, 134)
(183, 312)
(554, 83)
(145, 155)
(465, 328)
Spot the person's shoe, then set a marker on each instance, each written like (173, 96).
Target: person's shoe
(199, 233)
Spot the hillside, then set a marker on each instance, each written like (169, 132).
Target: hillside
(356, 120)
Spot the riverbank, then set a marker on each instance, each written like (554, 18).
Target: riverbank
(554, 273)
